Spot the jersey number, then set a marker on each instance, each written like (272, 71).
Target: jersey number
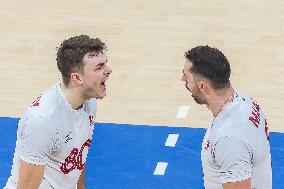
(74, 160)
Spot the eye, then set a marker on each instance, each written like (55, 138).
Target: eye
(99, 68)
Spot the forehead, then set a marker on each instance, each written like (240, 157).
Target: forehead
(95, 58)
(187, 66)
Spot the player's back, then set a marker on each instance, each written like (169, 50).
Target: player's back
(248, 124)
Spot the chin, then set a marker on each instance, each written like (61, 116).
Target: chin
(100, 96)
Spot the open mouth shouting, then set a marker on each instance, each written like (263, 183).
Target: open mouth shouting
(103, 84)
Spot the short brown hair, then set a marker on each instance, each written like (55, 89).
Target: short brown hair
(71, 52)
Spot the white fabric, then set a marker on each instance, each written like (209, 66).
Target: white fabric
(47, 134)
(235, 148)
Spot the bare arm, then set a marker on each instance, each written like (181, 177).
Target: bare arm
(81, 182)
(245, 184)
(30, 175)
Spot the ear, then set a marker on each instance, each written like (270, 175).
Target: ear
(204, 87)
(76, 78)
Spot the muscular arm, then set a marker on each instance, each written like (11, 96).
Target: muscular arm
(245, 184)
(81, 182)
(30, 176)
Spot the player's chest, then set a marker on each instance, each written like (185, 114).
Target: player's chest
(72, 143)
(72, 133)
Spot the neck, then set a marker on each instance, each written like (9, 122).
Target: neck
(219, 99)
(72, 95)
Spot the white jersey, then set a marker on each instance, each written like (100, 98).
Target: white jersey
(236, 146)
(53, 134)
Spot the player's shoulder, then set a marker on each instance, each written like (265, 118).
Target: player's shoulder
(243, 106)
(46, 104)
(241, 120)
(243, 101)
(249, 109)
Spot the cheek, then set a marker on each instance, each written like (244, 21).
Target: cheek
(192, 87)
(92, 77)
(188, 83)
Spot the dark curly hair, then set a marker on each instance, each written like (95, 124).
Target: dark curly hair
(211, 64)
(71, 52)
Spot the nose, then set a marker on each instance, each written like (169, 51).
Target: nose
(108, 70)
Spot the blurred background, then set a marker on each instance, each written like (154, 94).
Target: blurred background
(146, 41)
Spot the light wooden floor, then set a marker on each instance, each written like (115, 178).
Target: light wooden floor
(146, 40)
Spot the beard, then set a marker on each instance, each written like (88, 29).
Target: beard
(199, 99)
(197, 96)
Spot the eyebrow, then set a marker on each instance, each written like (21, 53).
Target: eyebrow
(101, 64)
